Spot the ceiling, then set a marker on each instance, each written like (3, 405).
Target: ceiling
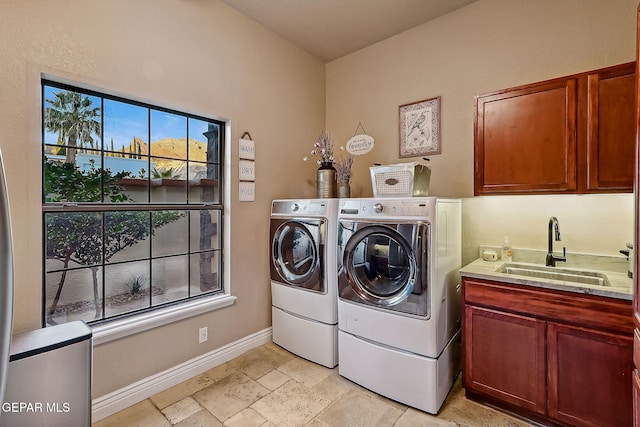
(329, 29)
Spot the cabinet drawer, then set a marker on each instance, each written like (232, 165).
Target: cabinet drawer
(573, 308)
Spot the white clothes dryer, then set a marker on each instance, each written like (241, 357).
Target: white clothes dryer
(304, 279)
(399, 297)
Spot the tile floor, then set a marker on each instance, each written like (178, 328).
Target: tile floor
(269, 386)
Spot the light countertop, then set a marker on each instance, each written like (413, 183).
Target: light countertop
(621, 285)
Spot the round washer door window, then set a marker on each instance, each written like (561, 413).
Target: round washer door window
(381, 265)
(294, 252)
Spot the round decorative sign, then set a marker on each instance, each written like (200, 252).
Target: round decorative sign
(359, 144)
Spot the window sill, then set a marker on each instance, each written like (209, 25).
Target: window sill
(132, 325)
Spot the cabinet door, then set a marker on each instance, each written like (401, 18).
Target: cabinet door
(636, 398)
(505, 357)
(525, 139)
(590, 376)
(611, 129)
(636, 261)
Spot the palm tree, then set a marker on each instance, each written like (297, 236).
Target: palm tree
(73, 117)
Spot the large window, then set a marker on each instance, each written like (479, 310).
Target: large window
(132, 205)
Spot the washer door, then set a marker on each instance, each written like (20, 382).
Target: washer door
(384, 265)
(297, 252)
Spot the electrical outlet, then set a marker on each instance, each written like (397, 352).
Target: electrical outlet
(203, 334)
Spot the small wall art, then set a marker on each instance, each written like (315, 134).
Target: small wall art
(420, 128)
(247, 191)
(246, 168)
(246, 148)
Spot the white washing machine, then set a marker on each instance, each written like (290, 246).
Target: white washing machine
(399, 297)
(303, 278)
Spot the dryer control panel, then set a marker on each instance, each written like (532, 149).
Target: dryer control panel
(379, 207)
(299, 207)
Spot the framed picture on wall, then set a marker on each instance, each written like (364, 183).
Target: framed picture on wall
(420, 128)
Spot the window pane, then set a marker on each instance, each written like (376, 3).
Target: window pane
(171, 233)
(73, 295)
(123, 166)
(205, 230)
(135, 186)
(201, 188)
(126, 236)
(126, 287)
(170, 279)
(204, 141)
(168, 135)
(126, 128)
(64, 182)
(71, 122)
(168, 181)
(205, 277)
(168, 169)
(73, 239)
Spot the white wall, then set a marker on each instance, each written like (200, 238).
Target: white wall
(486, 46)
(198, 56)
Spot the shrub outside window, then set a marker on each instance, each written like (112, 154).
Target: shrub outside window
(132, 205)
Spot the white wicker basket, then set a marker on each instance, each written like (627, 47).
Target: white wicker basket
(400, 180)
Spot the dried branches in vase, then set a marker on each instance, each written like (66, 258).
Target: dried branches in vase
(343, 168)
(323, 148)
(326, 173)
(343, 173)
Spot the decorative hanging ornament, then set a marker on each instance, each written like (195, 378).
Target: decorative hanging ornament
(360, 143)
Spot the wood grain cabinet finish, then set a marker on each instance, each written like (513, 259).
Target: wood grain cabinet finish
(636, 281)
(516, 375)
(611, 129)
(574, 134)
(636, 398)
(580, 360)
(553, 356)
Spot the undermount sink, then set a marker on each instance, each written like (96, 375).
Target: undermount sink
(553, 273)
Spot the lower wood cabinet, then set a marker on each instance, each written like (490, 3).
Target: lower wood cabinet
(589, 376)
(525, 354)
(636, 398)
(508, 357)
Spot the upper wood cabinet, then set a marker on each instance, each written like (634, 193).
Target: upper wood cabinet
(574, 134)
(611, 129)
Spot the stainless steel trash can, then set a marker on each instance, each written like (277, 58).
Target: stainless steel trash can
(49, 378)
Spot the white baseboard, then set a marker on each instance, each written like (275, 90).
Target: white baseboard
(120, 399)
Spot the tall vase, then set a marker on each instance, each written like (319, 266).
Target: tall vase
(344, 188)
(326, 181)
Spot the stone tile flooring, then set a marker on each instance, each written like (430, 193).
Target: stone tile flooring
(269, 386)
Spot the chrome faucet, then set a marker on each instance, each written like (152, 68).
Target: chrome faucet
(551, 257)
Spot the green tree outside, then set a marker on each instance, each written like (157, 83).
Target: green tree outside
(72, 116)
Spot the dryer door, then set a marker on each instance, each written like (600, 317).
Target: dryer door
(384, 265)
(297, 252)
